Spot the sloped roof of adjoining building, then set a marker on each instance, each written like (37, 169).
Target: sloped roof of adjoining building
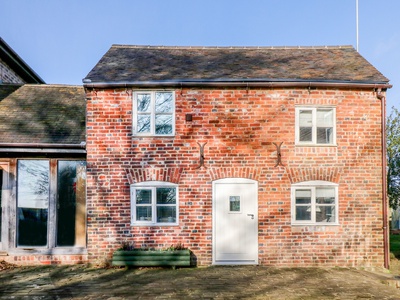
(42, 114)
(141, 65)
(7, 89)
(17, 64)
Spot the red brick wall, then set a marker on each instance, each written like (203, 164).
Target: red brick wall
(240, 127)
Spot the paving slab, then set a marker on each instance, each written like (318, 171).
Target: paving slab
(236, 282)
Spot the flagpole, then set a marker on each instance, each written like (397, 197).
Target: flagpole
(357, 23)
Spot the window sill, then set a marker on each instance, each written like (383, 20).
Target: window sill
(48, 251)
(315, 224)
(135, 135)
(315, 228)
(154, 224)
(316, 145)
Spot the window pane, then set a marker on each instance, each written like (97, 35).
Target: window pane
(164, 102)
(324, 118)
(325, 195)
(71, 204)
(305, 126)
(324, 126)
(325, 213)
(324, 135)
(303, 196)
(143, 196)
(143, 213)
(33, 201)
(166, 196)
(166, 214)
(303, 213)
(305, 134)
(163, 124)
(305, 118)
(234, 203)
(143, 102)
(143, 123)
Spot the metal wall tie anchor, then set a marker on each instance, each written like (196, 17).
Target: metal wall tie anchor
(278, 155)
(201, 155)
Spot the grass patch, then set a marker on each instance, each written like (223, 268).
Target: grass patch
(395, 245)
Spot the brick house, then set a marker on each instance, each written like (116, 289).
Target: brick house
(42, 167)
(13, 69)
(271, 156)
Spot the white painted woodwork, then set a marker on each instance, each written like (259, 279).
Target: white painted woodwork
(235, 233)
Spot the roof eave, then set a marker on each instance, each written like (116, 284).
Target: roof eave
(11, 58)
(239, 83)
(43, 148)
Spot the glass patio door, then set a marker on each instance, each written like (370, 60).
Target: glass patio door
(71, 206)
(2, 210)
(33, 202)
(51, 203)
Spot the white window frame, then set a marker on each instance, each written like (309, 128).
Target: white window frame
(314, 110)
(313, 185)
(152, 113)
(153, 185)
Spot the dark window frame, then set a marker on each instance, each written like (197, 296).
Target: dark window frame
(51, 245)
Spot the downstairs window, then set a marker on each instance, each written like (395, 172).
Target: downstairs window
(315, 203)
(154, 203)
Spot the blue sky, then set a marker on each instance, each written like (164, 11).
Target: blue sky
(62, 40)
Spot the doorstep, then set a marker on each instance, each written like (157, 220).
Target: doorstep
(3, 253)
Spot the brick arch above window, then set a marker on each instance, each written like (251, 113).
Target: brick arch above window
(331, 174)
(136, 175)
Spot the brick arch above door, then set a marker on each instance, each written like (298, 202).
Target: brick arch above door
(234, 172)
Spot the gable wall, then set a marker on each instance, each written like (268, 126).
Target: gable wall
(239, 127)
(7, 75)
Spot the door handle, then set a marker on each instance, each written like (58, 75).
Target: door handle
(251, 215)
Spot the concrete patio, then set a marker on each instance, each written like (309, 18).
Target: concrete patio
(246, 282)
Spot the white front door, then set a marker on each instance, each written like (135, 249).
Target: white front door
(235, 221)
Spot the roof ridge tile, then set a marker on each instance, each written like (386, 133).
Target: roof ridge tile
(231, 47)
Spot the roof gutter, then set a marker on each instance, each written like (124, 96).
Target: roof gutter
(43, 145)
(43, 148)
(237, 83)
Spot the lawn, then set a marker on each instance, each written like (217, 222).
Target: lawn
(395, 245)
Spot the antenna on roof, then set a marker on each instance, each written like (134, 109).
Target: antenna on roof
(357, 23)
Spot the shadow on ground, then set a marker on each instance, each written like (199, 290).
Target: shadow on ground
(247, 282)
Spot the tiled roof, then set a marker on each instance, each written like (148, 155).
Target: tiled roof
(151, 64)
(7, 89)
(53, 114)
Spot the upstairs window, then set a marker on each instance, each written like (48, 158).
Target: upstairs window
(154, 113)
(315, 126)
(315, 203)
